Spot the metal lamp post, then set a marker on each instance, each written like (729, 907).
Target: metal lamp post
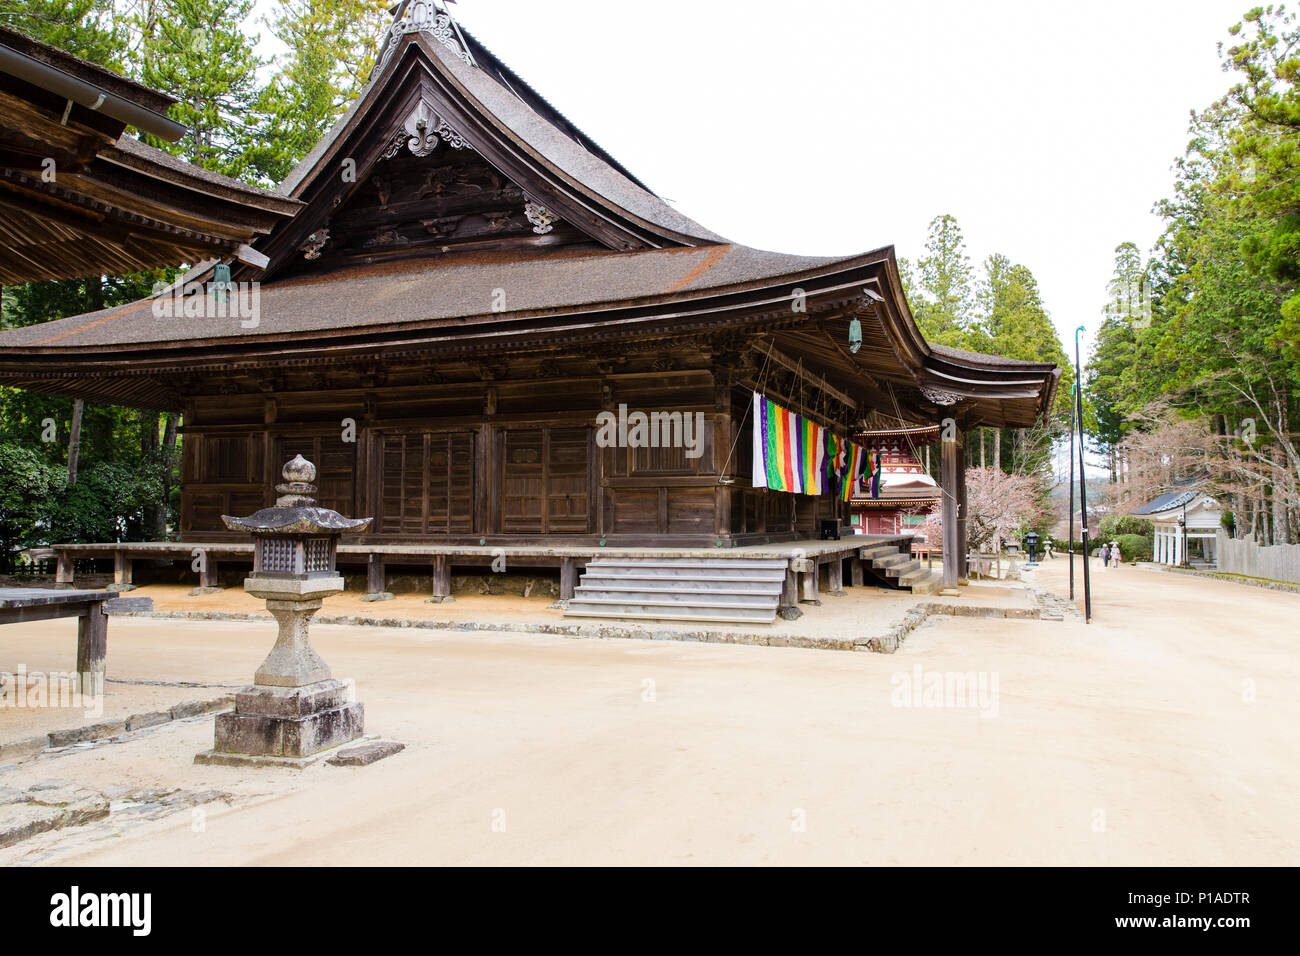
(295, 711)
(1083, 479)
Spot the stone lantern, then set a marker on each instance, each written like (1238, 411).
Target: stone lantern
(1031, 543)
(295, 711)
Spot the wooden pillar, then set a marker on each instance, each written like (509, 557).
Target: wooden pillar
(121, 569)
(963, 548)
(835, 575)
(441, 578)
(92, 640)
(856, 575)
(63, 570)
(790, 589)
(951, 453)
(808, 583)
(721, 439)
(375, 574)
(208, 573)
(568, 578)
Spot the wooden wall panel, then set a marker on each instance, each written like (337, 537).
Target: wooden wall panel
(426, 484)
(568, 492)
(634, 511)
(545, 480)
(690, 511)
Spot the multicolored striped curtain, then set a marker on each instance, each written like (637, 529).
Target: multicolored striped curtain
(796, 455)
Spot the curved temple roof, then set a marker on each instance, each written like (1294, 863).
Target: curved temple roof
(604, 259)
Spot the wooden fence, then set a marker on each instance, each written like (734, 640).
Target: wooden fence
(1277, 562)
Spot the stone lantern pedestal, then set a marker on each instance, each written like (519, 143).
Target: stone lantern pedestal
(295, 712)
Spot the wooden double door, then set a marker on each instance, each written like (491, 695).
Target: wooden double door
(501, 480)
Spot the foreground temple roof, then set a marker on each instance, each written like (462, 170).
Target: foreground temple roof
(452, 211)
(108, 204)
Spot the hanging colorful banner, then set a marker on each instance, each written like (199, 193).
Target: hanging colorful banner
(853, 468)
(871, 468)
(796, 455)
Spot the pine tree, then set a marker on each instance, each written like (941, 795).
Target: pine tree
(90, 29)
(1014, 323)
(943, 312)
(197, 52)
(332, 46)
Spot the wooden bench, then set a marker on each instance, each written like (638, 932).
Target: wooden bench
(89, 607)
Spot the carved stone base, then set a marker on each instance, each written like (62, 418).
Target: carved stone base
(287, 722)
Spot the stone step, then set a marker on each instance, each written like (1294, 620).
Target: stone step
(901, 568)
(680, 589)
(913, 574)
(877, 551)
(691, 574)
(928, 584)
(687, 615)
(684, 601)
(694, 585)
(748, 564)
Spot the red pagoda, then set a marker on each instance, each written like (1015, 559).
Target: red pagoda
(905, 493)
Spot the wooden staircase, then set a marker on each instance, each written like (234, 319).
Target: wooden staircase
(738, 591)
(899, 569)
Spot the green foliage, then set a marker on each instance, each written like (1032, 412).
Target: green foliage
(1217, 335)
(332, 46)
(37, 507)
(1263, 150)
(241, 123)
(1113, 526)
(107, 431)
(1135, 547)
(89, 29)
(1127, 313)
(1014, 323)
(944, 283)
(197, 52)
(1004, 315)
(29, 485)
(107, 503)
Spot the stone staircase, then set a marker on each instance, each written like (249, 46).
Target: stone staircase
(899, 569)
(680, 589)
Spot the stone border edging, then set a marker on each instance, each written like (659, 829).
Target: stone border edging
(112, 728)
(1231, 578)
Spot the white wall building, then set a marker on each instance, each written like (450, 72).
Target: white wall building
(1186, 527)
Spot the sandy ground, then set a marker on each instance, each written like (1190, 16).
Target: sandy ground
(1163, 733)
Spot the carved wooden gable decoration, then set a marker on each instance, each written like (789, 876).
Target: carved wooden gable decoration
(426, 164)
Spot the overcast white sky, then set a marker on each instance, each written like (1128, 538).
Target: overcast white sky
(833, 127)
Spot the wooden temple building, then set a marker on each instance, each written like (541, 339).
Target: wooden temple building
(450, 289)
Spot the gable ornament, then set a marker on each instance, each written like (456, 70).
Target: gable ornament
(543, 219)
(427, 17)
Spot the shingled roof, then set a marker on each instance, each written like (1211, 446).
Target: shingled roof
(618, 262)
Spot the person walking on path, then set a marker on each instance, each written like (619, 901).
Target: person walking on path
(1115, 554)
(1105, 556)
